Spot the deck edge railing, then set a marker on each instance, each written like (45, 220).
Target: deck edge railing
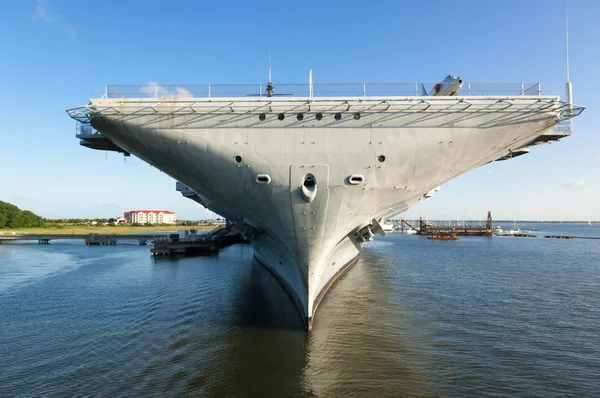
(314, 90)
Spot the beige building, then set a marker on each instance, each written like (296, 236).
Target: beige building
(150, 217)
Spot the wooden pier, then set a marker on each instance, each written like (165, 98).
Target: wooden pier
(89, 239)
(186, 242)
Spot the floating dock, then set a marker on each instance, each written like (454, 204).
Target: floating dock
(195, 244)
(570, 237)
(168, 247)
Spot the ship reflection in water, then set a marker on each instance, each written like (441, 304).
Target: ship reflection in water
(412, 318)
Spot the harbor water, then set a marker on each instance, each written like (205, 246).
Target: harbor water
(480, 317)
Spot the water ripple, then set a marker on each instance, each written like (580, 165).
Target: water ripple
(475, 317)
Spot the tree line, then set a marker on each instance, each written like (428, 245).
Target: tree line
(13, 217)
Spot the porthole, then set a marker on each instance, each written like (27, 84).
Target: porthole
(262, 117)
(319, 116)
(338, 116)
(238, 159)
(357, 116)
(381, 158)
(300, 116)
(281, 116)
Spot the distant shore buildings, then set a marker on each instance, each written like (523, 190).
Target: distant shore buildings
(116, 221)
(150, 217)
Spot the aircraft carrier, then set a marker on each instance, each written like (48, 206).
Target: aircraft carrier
(311, 175)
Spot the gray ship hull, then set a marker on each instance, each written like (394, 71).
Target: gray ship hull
(366, 160)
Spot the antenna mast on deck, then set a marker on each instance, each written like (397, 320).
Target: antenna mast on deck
(270, 83)
(568, 87)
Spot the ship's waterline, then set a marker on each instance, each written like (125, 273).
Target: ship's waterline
(272, 255)
(309, 190)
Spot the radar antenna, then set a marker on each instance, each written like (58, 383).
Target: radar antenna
(566, 40)
(568, 86)
(270, 89)
(269, 84)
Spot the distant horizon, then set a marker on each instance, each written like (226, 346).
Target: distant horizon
(214, 216)
(445, 220)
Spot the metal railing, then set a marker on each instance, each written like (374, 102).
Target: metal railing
(317, 90)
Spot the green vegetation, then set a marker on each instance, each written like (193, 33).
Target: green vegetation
(104, 229)
(13, 217)
(99, 223)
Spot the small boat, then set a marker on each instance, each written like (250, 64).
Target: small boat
(388, 226)
(442, 236)
(515, 231)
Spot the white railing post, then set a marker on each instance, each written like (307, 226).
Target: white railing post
(156, 91)
(260, 90)
(522, 88)
(106, 91)
(469, 89)
(209, 91)
(416, 89)
(364, 89)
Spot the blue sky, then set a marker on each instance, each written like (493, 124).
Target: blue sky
(57, 54)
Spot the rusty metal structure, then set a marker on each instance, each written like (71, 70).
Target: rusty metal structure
(465, 229)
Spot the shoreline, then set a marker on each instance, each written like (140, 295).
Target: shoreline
(105, 229)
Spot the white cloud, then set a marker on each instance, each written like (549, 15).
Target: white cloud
(152, 89)
(155, 90)
(182, 93)
(43, 13)
(575, 183)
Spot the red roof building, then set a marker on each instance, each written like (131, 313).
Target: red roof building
(150, 217)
